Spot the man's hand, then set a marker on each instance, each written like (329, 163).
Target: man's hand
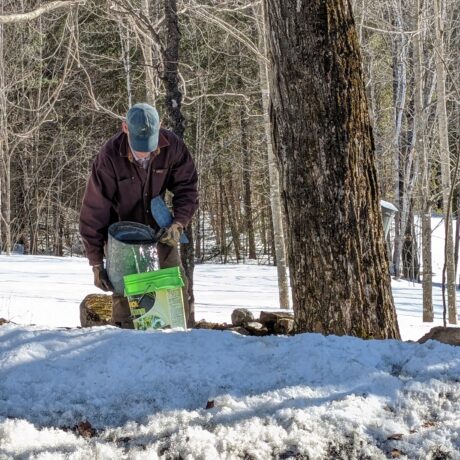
(101, 279)
(172, 234)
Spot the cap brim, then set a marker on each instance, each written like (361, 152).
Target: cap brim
(143, 144)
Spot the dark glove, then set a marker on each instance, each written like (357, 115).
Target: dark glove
(172, 234)
(101, 279)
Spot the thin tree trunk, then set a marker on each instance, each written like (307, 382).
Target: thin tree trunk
(323, 137)
(150, 92)
(125, 42)
(411, 267)
(176, 121)
(273, 169)
(3, 137)
(409, 168)
(457, 229)
(198, 235)
(246, 154)
(422, 152)
(221, 220)
(263, 232)
(5, 156)
(232, 222)
(399, 98)
(444, 157)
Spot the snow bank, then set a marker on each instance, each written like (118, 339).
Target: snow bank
(274, 397)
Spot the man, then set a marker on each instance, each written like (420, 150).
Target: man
(138, 163)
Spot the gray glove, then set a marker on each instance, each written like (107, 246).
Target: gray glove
(101, 279)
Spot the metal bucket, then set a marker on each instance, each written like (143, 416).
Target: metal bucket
(131, 248)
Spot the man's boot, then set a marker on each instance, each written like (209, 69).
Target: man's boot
(121, 314)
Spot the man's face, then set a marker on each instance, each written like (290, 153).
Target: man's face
(139, 155)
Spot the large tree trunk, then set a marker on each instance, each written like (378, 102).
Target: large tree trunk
(323, 137)
(445, 158)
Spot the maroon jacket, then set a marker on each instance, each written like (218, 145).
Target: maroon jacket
(120, 189)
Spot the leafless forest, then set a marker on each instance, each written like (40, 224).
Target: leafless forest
(69, 70)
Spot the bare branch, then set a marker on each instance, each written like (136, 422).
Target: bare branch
(23, 17)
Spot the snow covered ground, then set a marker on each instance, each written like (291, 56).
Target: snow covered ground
(145, 394)
(47, 291)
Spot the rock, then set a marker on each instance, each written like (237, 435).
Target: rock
(85, 429)
(270, 319)
(448, 335)
(241, 316)
(284, 326)
(210, 404)
(202, 324)
(256, 328)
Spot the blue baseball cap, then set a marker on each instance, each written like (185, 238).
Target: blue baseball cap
(144, 127)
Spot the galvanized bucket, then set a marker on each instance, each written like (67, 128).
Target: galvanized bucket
(131, 248)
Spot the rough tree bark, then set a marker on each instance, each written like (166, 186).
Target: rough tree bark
(323, 137)
(176, 122)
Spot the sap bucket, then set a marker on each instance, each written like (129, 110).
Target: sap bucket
(155, 299)
(130, 249)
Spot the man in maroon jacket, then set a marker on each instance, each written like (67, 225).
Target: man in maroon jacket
(138, 163)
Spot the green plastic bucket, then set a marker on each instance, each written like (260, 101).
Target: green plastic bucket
(155, 299)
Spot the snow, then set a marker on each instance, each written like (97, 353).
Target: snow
(145, 393)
